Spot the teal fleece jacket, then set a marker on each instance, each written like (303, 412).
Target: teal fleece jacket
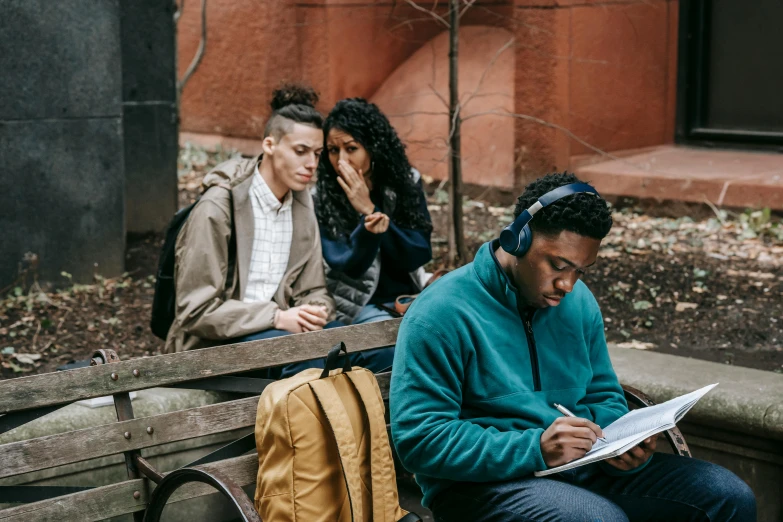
(474, 378)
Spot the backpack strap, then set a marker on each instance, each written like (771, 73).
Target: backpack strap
(232, 272)
(340, 425)
(385, 500)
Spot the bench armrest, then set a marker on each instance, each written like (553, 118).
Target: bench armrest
(639, 399)
(171, 482)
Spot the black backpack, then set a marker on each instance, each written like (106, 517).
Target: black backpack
(165, 300)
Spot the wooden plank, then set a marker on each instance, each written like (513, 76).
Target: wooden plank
(75, 446)
(95, 504)
(85, 383)
(384, 379)
(117, 499)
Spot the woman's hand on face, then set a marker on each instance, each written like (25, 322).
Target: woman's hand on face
(377, 223)
(355, 188)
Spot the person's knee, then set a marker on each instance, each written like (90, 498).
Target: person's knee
(608, 512)
(732, 497)
(745, 499)
(605, 511)
(738, 495)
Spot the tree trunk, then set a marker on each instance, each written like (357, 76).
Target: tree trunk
(457, 247)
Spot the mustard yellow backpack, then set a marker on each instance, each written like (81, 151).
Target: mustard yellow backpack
(323, 450)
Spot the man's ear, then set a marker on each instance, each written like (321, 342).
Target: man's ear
(269, 145)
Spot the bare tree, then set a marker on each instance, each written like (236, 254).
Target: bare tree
(457, 250)
(456, 110)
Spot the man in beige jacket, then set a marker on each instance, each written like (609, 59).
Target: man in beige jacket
(263, 276)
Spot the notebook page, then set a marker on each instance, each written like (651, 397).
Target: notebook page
(653, 417)
(634, 427)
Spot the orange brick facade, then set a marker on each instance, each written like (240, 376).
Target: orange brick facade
(603, 73)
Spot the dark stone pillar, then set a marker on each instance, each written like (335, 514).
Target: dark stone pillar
(149, 113)
(62, 170)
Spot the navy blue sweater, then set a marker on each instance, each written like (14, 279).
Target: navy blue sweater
(402, 251)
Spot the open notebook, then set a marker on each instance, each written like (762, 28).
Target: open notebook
(633, 427)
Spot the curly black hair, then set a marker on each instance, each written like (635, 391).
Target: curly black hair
(365, 122)
(584, 214)
(292, 103)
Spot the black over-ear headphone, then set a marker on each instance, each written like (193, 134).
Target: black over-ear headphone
(517, 237)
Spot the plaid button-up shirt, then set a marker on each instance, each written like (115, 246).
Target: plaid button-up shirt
(271, 241)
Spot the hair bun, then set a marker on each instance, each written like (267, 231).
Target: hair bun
(293, 94)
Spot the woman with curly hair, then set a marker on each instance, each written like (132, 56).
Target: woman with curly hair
(372, 212)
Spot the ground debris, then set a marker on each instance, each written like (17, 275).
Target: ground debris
(710, 288)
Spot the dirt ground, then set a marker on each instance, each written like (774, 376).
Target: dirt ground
(687, 280)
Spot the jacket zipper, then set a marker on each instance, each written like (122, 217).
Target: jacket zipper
(531, 343)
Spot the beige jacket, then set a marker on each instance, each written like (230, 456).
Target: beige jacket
(210, 310)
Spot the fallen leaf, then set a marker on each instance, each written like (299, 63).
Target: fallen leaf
(642, 305)
(636, 345)
(16, 368)
(27, 358)
(682, 306)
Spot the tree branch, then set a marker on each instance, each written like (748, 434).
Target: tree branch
(545, 124)
(439, 95)
(487, 68)
(468, 5)
(431, 13)
(414, 113)
(199, 53)
(408, 23)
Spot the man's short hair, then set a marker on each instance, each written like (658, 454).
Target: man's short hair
(292, 104)
(584, 214)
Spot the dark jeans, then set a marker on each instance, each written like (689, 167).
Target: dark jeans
(374, 360)
(670, 488)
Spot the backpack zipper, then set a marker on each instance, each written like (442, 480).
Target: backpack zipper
(531, 343)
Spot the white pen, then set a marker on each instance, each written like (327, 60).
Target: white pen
(565, 411)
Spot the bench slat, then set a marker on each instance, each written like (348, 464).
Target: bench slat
(65, 448)
(117, 499)
(384, 379)
(85, 383)
(95, 504)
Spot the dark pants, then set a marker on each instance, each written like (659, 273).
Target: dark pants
(671, 488)
(374, 360)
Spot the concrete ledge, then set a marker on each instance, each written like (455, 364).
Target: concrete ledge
(746, 401)
(738, 425)
(728, 178)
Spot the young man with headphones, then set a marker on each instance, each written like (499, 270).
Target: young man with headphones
(484, 354)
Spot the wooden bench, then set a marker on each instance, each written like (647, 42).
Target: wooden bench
(147, 490)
